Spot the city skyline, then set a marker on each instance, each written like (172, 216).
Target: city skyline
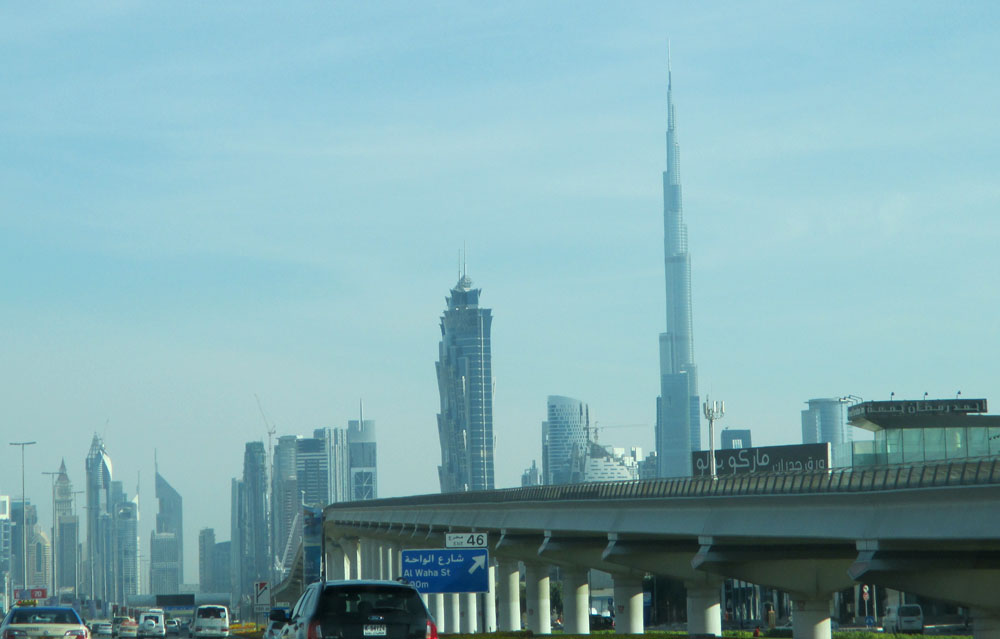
(186, 224)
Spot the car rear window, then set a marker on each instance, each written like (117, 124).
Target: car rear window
(41, 615)
(213, 612)
(909, 611)
(363, 600)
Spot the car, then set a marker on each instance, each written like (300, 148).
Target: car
(128, 629)
(357, 608)
(903, 618)
(24, 622)
(104, 628)
(210, 622)
(152, 624)
(602, 622)
(116, 624)
(173, 627)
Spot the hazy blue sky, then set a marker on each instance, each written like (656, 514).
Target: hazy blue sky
(200, 202)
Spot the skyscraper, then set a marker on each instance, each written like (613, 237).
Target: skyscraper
(127, 549)
(465, 384)
(100, 565)
(362, 457)
(567, 428)
(66, 534)
(678, 421)
(251, 533)
(312, 467)
(206, 560)
(166, 566)
(825, 420)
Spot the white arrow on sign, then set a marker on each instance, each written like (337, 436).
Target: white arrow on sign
(479, 561)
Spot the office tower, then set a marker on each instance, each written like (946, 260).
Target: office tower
(99, 552)
(39, 557)
(593, 462)
(285, 498)
(826, 421)
(465, 384)
(206, 560)
(251, 537)
(164, 570)
(312, 468)
(734, 438)
(362, 457)
(567, 427)
(6, 547)
(127, 549)
(237, 548)
(340, 466)
(65, 534)
(220, 567)
(170, 519)
(678, 416)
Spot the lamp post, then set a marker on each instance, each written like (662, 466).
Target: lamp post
(24, 512)
(713, 412)
(55, 532)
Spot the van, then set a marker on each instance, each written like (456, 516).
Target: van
(210, 621)
(152, 624)
(904, 618)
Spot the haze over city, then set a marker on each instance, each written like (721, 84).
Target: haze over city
(201, 204)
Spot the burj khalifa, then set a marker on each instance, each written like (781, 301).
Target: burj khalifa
(677, 408)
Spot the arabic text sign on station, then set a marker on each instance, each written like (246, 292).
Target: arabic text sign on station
(466, 540)
(447, 569)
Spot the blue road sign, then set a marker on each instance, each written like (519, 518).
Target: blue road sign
(447, 569)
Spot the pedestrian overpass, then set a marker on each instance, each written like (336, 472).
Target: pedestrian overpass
(932, 530)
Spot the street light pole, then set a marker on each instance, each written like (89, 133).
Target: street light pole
(24, 512)
(712, 413)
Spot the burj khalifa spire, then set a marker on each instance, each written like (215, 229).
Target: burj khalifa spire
(678, 420)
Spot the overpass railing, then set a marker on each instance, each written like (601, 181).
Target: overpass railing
(838, 480)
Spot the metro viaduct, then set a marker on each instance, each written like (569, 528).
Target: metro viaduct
(930, 530)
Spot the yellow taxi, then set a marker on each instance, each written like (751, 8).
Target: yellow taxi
(48, 622)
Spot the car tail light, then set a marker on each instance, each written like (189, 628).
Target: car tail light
(225, 628)
(432, 630)
(315, 631)
(79, 634)
(14, 634)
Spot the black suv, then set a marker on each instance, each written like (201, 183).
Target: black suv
(358, 609)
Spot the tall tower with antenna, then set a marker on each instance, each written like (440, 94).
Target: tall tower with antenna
(678, 423)
(465, 384)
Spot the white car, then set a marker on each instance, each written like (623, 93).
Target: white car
(28, 622)
(210, 622)
(152, 624)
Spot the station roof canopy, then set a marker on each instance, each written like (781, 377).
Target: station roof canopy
(924, 413)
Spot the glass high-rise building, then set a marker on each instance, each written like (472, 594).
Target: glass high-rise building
(465, 384)
(127, 549)
(100, 540)
(825, 420)
(678, 414)
(251, 532)
(170, 519)
(362, 456)
(567, 428)
(206, 560)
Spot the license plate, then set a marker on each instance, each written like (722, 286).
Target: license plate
(374, 630)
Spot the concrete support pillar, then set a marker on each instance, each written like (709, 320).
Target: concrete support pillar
(510, 596)
(365, 565)
(490, 602)
(380, 564)
(985, 625)
(537, 598)
(352, 558)
(426, 598)
(811, 619)
(453, 612)
(335, 561)
(470, 613)
(576, 601)
(628, 605)
(704, 610)
(439, 614)
(391, 569)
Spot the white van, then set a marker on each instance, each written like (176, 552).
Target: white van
(905, 618)
(210, 621)
(152, 624)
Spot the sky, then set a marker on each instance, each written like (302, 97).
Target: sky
(207, 204)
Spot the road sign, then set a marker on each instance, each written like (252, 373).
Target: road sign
(864, 595)
(261, 608)
(447, 569)
(466, 540)
(31, 593)
(262, 592)
(864, 589)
